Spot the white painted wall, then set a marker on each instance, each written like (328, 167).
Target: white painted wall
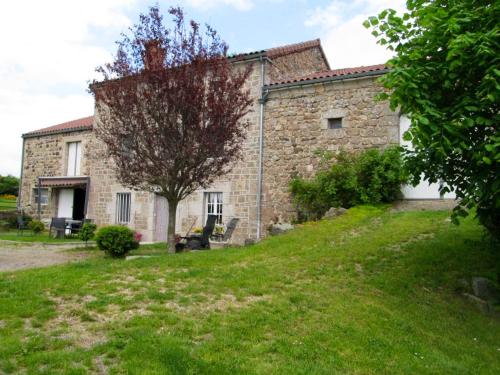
(424, 190)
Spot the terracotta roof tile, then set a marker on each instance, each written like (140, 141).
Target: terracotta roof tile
(335, 73)
(75, 125)
(63, 181)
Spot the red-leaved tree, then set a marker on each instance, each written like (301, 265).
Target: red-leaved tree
(170, 109)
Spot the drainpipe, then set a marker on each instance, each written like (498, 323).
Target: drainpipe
(262, 101)
(39, 199)
(86, 204)
(21, 178)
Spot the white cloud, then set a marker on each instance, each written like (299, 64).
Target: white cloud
(49, 51)
(347, 43)
(242, 5)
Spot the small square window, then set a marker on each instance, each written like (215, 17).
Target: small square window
(335, 123)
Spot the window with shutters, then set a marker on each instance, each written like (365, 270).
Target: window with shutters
(214, 206)
(123, 201)
(74, 158)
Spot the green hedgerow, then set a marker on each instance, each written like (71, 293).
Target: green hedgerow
(369, 177)
(116, 240)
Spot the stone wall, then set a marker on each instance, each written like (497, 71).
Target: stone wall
(296, 65)
(104, 188)
(296, 125)
(46, 156)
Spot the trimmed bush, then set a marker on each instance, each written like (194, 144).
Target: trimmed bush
(87, 232)
(116, 240)
(36, 226)
(370, 177)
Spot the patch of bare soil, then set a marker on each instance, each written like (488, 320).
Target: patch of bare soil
(19, 256)
(84, 329)
(424, 205)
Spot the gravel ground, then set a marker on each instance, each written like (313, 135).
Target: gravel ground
(16, 256)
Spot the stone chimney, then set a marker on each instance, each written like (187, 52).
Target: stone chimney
(154, 55)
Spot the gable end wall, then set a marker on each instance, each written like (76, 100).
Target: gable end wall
(296, 65)
(296, 126)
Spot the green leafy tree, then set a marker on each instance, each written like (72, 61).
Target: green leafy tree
(87, 232)
(445, 77)
(9, 185)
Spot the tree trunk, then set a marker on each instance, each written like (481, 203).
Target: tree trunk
(172, 210)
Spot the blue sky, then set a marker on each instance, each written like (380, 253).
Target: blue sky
(50, 48)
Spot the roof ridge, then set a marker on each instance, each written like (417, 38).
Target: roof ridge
(278, 50)
(294, 47)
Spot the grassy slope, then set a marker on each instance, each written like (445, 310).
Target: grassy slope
(7, 204)
(369, 292)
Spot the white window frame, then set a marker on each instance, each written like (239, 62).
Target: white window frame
(74, 158)
(44, 192)
(123, 208)
(214, 205)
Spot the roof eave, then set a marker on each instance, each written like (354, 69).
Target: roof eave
(326, 79)
(54, 132)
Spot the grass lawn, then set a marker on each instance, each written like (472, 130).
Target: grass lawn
(27, 236)
(7, 204)
(369, 292)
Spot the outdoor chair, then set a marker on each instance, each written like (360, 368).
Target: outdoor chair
(21, 225)
(75, 227)
(231, 226)
(196, 242)
(59, 225)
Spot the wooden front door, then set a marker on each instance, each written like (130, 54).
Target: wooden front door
(65, 203)
(161, 219)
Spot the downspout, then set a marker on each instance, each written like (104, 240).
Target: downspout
(39, 199)
(86, 204)
(21, 178)
(262, 101)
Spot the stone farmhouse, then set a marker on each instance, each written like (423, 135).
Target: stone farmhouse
(300, 106)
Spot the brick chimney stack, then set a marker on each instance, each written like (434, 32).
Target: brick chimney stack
(154, 55)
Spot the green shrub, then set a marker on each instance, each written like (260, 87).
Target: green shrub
(370, 177)
(36, 226)
(116, 240)
(380, 175)
(87, 232)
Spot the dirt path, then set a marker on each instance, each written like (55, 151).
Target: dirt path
(15, 256)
